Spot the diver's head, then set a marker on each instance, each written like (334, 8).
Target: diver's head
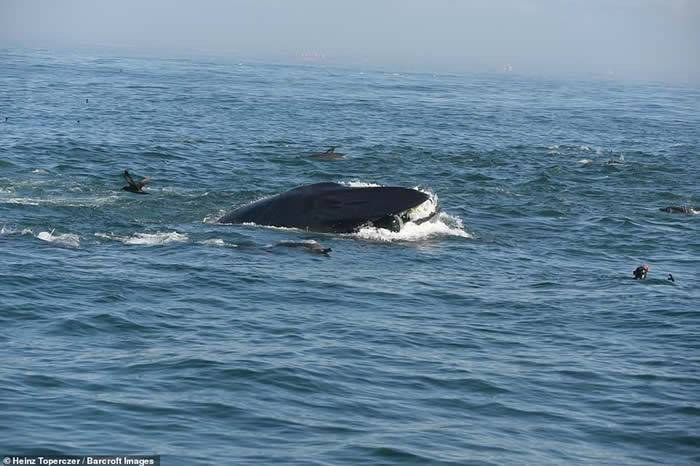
(640, 273)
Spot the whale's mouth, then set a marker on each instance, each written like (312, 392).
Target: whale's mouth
(424, 212)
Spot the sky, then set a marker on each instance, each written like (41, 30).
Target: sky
(637, 39)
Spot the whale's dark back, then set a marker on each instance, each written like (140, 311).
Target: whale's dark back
(327, 207)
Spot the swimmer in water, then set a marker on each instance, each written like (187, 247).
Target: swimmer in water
(133, 186)
(640, 273)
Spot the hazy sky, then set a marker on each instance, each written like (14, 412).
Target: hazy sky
(644, 39)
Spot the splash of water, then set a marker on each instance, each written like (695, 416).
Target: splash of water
(66, 239)
(147, 239)
(442, 225)
(213, 242)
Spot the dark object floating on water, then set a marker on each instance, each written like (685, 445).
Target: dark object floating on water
(675, 209)
(311, 246)
(670, 278)
(330, 154)
(333, 208)
(132, 186)
(613, 162)
(640, 273)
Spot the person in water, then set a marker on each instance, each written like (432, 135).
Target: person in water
(640, 273)
(132, 186)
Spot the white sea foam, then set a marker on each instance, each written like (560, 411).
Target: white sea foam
(443, 225)
(60, 201)
(156, 239)
(5, 230)
(9, 230)
(619, 161)
(19, 201)
(213, 242)
(213, 218)
(585, 161)
(67, 239)
(299, 241)
(358, 184)
(217, 242)
(147, 239)
(40, 171)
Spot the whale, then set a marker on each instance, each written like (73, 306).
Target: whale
(334, 208)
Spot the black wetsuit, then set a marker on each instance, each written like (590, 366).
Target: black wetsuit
(640, 273)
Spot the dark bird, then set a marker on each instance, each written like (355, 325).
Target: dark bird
(132, 186)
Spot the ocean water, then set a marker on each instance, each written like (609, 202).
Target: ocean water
(510, 331)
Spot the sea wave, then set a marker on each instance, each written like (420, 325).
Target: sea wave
(442, 225)
(214, 217)
(10, 230)
(147, 239)
(217, 242)
(61, 201)
(66, 239)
